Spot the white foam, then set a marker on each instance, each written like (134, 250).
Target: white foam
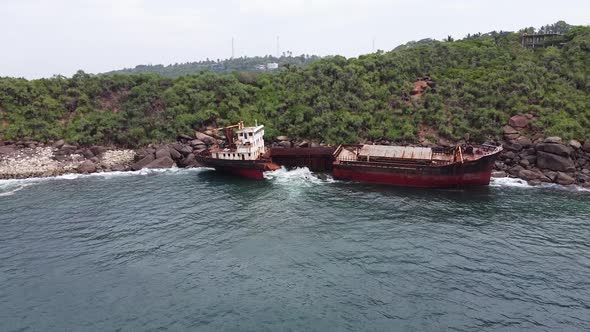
(11, 186)
(297, 175)
(509, 182)
(520, 183)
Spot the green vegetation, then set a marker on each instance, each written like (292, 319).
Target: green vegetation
(481, 81)
(243, 64)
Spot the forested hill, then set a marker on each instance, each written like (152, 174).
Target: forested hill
(243, 64)
(480, 82)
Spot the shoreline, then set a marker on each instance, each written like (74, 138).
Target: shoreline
(539, 162)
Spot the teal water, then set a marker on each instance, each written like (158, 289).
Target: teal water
(192, 250)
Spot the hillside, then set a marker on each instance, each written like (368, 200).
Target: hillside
(243, 64)
(479, 83)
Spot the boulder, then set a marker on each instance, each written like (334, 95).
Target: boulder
(59, 144)
(186, 137)
(558, 149)
(98, 150)
(513, 147)
(285, 144)
(142, 153)
(174, 153)
(163, 152)
(514, 171)
(118, 168)
(524, 141)
(554, 162)
(143, 162)
(197, 142)
(185, 150)
(282, 138)
(87, 167)
(564, 179)
(6, 149)
(87, 153)
(575, 144)
(189, 161)
(586, 146)
(164, 162)
(524, 163)
(509, 130)
(67, 149)
(518, 121)
(304, 144)
(550, 175)
(535, 182)
(205, 138)
(553, 139)
(499, 174)
(528, 175)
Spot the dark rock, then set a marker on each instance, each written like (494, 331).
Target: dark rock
(94, 159)
(285, 144)
(164, 162)
(554, 162)
(68, 149)
(98, 150)
(143, 162)
(564, 179)
(87, 153)
(575, 144)
(6, 149)
(186, 137)
(514, 171)
(304, 144)
(205, 138)
(513, 147)
(197, 142)
(142, 153)
(189, 161)
(524, 163)
(532, 159)
(553, 139)
(499, 174)
(518, 121)
(509, 130)
(174, 153)
(87, 167)
(586, 146)
(550, 175)
(558, 149)
(198, 150)
(528, 175)
(185, 150)
(163, 152)
(524, 141)
(535, 182)
(118, 168)
(582, 178)
(59, 144)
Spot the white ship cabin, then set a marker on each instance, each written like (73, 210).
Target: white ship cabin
(249, 145)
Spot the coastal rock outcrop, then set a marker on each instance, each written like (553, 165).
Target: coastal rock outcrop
(143, 162)
(554, 162)
(164, 162)
(87, 167)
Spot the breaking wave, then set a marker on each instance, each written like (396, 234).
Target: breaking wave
(11, 186)
(520, 183)
(297, 176)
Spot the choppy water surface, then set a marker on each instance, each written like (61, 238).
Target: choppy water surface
(192, 250)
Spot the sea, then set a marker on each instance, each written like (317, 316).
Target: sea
(195, 250)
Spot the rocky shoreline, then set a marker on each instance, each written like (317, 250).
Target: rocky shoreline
(536, 159)
(26, 159)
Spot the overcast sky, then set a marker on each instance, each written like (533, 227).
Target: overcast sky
(41, 38)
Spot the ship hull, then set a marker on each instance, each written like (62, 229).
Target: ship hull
(473, 173)
(251, 169)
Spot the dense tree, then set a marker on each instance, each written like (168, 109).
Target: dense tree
(481, 81)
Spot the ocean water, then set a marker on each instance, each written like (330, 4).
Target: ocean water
(195, 250)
